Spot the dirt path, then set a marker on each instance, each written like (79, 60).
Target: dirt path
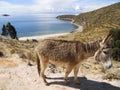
(16, 75)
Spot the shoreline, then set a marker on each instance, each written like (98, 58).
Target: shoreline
(70, 18)
(42, 36)
(78, 29)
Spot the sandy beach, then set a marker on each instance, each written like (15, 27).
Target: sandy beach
(42, 36)
(79, 27)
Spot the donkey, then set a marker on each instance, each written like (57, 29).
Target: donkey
(104, 54)
(70, 54)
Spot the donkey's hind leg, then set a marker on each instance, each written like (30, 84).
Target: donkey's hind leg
(44, 64)
(68, 70)
(76, 69)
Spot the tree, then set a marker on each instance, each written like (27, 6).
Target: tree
(11, 31)
(4, 31)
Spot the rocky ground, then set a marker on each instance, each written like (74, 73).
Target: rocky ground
(15, 74)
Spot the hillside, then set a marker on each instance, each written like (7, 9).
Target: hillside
(66, 17)
(107, 17)
(98, 21)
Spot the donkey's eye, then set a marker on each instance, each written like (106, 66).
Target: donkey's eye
(105, 52)
(107, 46)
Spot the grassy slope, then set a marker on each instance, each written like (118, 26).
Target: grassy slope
(96, 23)
(24, 49)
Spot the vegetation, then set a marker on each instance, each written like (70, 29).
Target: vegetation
(107, 17)
(96, 24)
(115, 43)
(9, 30)
(24, 49)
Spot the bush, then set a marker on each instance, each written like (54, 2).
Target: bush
(116, 53)
(115, 34)
(115, 43)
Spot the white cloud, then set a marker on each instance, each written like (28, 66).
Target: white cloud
(55, 4)
(39, 6)
(51, 5)
(77, 7)
(6, 7)
(68, 5)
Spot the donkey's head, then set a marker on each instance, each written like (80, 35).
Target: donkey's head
(103, 54)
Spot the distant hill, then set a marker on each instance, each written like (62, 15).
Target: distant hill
(66, 17)
(106, 17)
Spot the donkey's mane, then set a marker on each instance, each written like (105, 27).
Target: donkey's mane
(91, 46)
(60, 40)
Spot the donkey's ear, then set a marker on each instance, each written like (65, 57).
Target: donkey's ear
(101, 44)
(106, 39)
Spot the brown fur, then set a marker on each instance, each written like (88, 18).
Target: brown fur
(61, 52)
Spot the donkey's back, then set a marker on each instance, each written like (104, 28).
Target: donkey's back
(60, 50)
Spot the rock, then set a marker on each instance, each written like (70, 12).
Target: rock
(1, 54)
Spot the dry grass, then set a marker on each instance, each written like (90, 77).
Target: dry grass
(86, 36)
(4, 62)
(24, 49)
(90, 66)
(114, 72)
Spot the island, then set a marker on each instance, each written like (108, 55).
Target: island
(5, 15)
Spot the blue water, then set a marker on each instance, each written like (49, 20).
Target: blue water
(37, 24)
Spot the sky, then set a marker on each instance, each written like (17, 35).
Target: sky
(48, 6)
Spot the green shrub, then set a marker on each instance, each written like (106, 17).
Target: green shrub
(115, 43)
(115, 34)
(116, 53)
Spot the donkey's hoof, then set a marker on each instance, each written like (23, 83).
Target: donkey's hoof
(47, 84)
(45, 76)
(66, 82)
(77, 82)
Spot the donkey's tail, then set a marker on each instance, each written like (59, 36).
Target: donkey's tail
(38, 63)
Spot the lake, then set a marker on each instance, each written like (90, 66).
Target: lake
(37, 24)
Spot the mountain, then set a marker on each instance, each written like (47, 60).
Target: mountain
(97, 23)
